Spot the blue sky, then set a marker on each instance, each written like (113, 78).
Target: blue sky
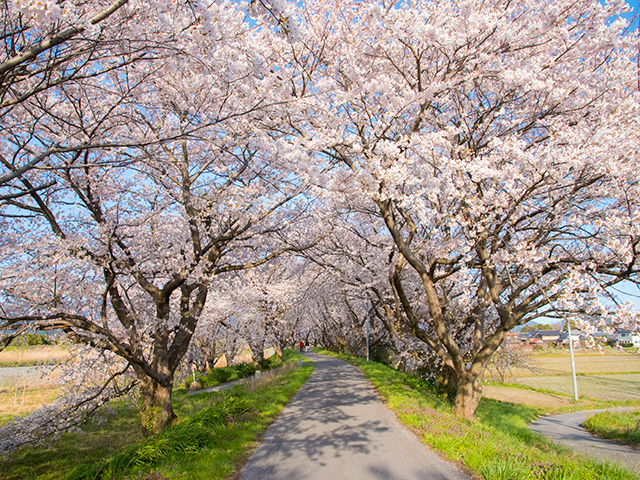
(634, 5)
(628, 291)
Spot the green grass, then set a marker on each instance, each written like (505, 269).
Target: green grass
(214, 433)
(55, 459)
(499, 445)
(623, 427)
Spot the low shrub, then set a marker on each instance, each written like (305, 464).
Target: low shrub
(218, 375)
(245, 369)
(264, 364)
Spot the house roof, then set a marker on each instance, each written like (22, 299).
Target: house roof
(549, 333)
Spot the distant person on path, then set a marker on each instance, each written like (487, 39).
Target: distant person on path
(301, 347)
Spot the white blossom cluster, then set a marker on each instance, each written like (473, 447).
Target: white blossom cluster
(41, 11)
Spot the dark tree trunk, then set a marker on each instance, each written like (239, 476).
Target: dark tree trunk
(257, 351)
(448, 382)
(468, 395)
(155, 405)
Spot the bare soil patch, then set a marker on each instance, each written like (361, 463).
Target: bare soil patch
(526, 397)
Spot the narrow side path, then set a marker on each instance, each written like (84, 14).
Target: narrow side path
(337, 427)
(566, 429)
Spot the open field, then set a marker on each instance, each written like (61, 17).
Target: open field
(587, 364)
(17, 402)
(601, 387)
(614, 376)
(31, 355)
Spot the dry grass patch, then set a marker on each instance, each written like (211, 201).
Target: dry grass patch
(30, 354)
(589, 364)
(525, 397)
(602, 387)
(11, 401)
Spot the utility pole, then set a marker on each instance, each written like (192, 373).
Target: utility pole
(367, 322)
(573, 363)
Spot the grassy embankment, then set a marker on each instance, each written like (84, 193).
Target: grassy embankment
(622, 427)
(214, 433)
(499, 446)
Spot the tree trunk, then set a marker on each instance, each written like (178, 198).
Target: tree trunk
(257, 350)
(278, 349)
(155, 405)
(448, 382)
(468, 395)
(211, 359)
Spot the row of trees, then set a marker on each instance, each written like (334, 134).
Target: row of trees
(462, 167)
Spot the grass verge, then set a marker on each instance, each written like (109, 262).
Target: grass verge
(622, 427)
(215, 433)
(497, 446)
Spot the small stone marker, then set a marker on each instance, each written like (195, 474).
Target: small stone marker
(257, 374)
(299, 362)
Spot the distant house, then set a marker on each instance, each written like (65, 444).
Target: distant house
(548, 335)
(627, 336)
(525, 336)
(576, 337)
(513, 340)
(602, 337)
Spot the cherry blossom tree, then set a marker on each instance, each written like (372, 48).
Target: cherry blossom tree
(184, 183)
(349, 274)
(265, 305)
(498, 142)
(46, 45)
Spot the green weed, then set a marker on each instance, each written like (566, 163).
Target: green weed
(505, 470)
(623, 427)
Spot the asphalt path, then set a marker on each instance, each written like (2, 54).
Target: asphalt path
(337, 427)
(567, 430)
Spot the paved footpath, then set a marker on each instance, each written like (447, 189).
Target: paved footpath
(567, 430)
(337, 427)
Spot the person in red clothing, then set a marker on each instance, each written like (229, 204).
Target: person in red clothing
(301, 347)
